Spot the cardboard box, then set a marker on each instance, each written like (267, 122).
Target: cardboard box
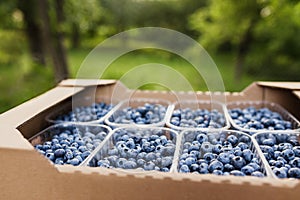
(25, 174)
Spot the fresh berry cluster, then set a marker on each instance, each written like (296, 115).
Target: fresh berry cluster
(200, 118)
(218, 153)
(86, 113)
(147, 149)
(71, 145)
(282, 151)
(259, 119)
(146, 114)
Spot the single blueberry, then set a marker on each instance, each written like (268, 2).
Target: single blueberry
(59, 152)
(237, 173)
(248, 170)
(232, 139)
(149, 166)
(224, 158)
(238, 162)
(295, 162)
(208, 157)
(257, 174)
(280, 172)
(215, 165)
(288, 154)
(294, 172)
(203, 168)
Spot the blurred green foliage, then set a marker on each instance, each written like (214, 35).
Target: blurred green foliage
(273, 28)
(258, 38)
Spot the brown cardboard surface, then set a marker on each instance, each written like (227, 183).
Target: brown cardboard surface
(25, 174)
(26, 111)
(11, 138)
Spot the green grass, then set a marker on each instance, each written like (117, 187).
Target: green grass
(123, 64)
(21, 80)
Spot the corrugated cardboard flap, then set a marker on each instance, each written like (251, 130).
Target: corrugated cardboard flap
(85, 82)
(297, 93)
(283, 85)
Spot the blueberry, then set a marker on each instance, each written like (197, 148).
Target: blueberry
(150, 156)
(202, 138)
(82, 149)
(41, 152)
(269, 142)
(149, 166)
(208, 157)
(206, 147)
(121, 162)
(85, 154)
(296, 150)
(279, 163)
(103, 163)
(203, 168)
(217, 172)
(294, 172)
(255, 166)
(59, 161)
(257, 174)
(224, 158)
(216, 148)
(280, 172)
(238, 162)
(215, 165)
(243, 146)
(284, 146)
(50, 156)
(248, 170)
(166, 161)
(247, 155)
(130, 165)
(237, 173)
(288, 154)
(295, 162)
(194, 167)
(74, 162)
(232, 139)
(59, 152)
(228, 168)
(190, 160)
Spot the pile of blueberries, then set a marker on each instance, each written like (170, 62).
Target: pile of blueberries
(147, 149)
(199, 118)
(71, 144)
(282, 151)
(259, 119)
(86, 113)
(146, 114)
(218, 153)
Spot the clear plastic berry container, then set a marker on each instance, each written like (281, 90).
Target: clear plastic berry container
(224, 152)
(140, 112)
(72, 140)
(281, 152)
(204, 115)
(83, 111)
(137, 149)
(289, 119)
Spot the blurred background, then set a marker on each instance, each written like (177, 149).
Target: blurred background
(45, 41)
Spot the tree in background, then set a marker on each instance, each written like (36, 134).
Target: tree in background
(277, 42)
(228, 22)
(263, 33)
(33, 30)
(82, 18)
(53, 37)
